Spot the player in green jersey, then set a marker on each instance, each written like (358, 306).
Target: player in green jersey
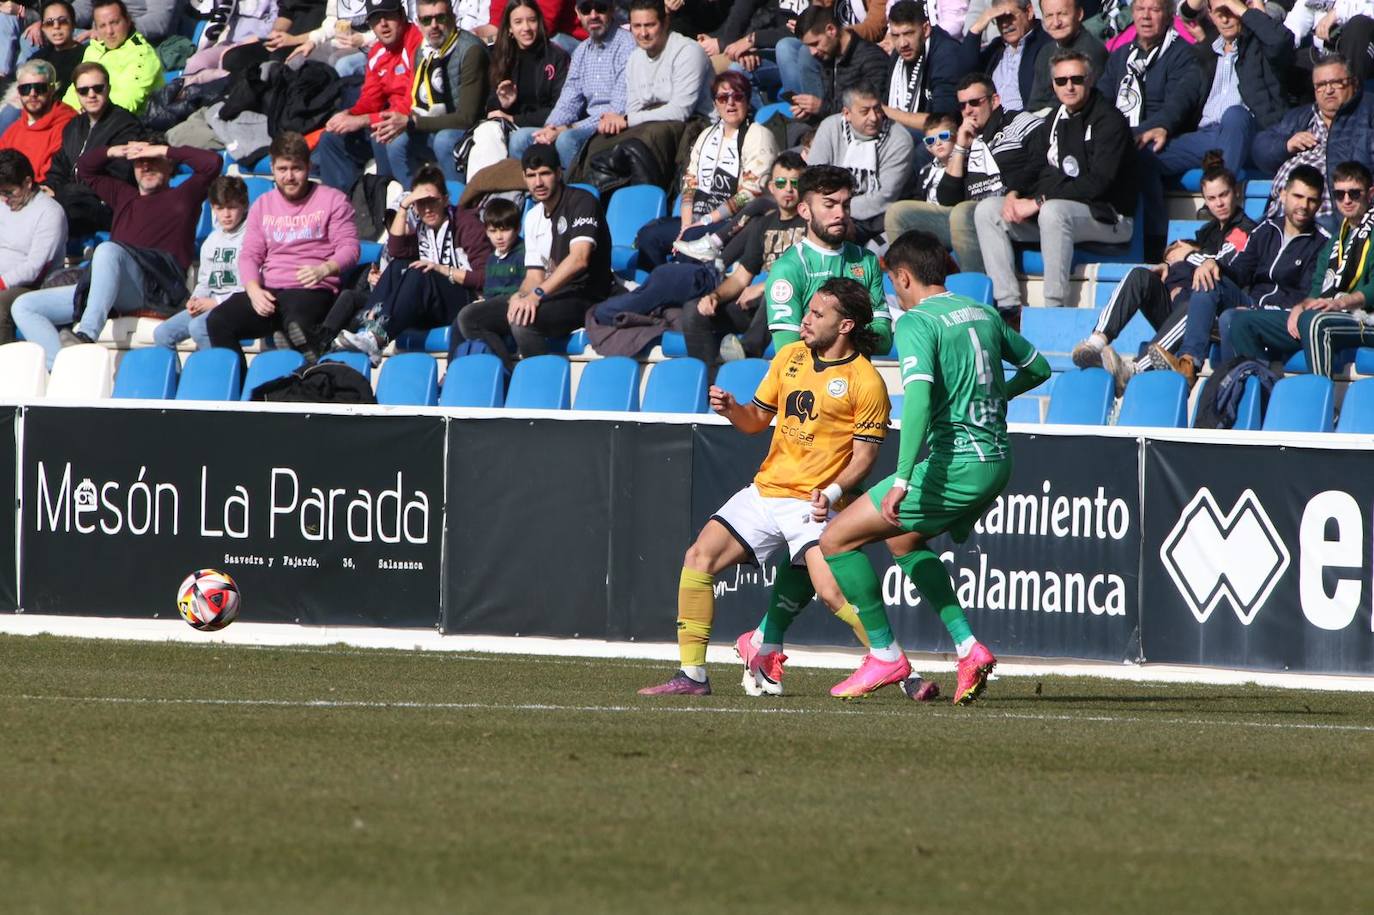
(951, 350)
(823, 254)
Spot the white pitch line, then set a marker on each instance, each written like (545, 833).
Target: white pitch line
(967, 715)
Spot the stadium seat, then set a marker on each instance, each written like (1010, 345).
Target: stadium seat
(676, 386)
(149, 373)
(540, 383)
(741, 378)
(1155, 399)
(206, 224)
(1302, 403)
(1024, 409)
(590, 189)
(630, 209)
(673, 344)
(977, 286)
(211, 374)
(575, 344)
(418, 340)
(1081, 397)
(23, 371)
(1132, 252)
(474, 381)
(369, 253)
(1255, 207)
(1248, 412)
(358, 362)
(257, 186)
(409, 380)
(268, 366)
(84, 372)
(767, 111)
(1357, 410)
(1054, 331)
(1183, 229)
(455, 191)
(609, 384)
(1260, 188)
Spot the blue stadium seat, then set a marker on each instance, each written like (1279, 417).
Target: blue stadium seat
(1297, 363)
(676, 386)
(1081, 397)
(741, 378)
(206, 224)
(630, 209)
(1191, 181)
(1357, 410)
(1255, 207)
(977, 286)
(1302, 403)
(1135, 337)
(474, 381)
(369, 252)
(540, 383)
(1183, 229)
(590, 189)
(767, 111)
(268, 365)
(409, 380)
(673, 343)
(257, 186)
(1155, 399)
(1024, 409)
(418, 340)
(211, 374)
(358, 362)
(1364, 361)
(609, 384)
(149, 373)
(455, 191)
(1260, 188)
(1248, 412)
(1054, 331)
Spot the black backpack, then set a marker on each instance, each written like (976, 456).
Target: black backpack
(324, 382)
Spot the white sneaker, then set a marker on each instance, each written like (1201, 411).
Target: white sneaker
(705, 249)
(363, 341)
(731, 349)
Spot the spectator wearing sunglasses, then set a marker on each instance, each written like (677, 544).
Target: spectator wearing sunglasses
(594, 92)
(134, 68)
(38, 132)
(938, 140)
(725, 172)
(989, 151)
(862, 141)
(58, 45)
(99, 123)
(1079, 186)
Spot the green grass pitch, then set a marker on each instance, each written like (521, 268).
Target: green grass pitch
(141, 777)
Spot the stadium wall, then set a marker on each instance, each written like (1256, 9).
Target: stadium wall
(1244, 550)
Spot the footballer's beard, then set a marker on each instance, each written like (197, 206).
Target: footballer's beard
(828, 235)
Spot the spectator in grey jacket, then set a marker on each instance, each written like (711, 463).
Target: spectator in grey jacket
(668, 76)
(861, 140)
(153, 19)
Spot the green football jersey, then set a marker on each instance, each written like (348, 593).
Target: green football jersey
(803, 268)
(958, 345)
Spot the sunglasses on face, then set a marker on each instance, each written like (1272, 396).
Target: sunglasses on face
(32, 88)
(781, 183)
(974, 102)
(57, 20)
(593, 6)
(436, 19)
(725, 98)
(941, 137)
(1348, 193)
(93, 89)
(1077, 79)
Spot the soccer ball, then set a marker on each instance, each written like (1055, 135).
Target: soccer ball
(208, 599)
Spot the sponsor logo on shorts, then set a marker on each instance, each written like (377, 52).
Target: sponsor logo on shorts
(802, 405)
(837, 387)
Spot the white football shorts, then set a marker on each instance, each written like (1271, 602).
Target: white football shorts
(764, 525)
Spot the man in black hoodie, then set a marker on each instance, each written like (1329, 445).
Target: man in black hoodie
(1079, 186)
(846, 60)
(100, 123)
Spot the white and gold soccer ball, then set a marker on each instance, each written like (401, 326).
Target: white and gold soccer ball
(208, 599)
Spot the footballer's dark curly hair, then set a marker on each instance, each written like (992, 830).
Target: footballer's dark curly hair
(854, 303)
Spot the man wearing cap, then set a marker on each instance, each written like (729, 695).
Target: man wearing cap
(567, 266)
(344, 148)
(594, 93)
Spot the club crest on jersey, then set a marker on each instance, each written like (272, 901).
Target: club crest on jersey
(856, 271)
(837, 387)
(781, 291)
(562, 224)
(802, 405)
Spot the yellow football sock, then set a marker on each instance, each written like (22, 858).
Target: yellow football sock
(850, 617)
(696, 605)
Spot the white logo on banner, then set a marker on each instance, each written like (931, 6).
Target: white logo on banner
(1236, 555)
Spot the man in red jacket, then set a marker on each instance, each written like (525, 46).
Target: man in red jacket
(38, 132)
(361, 133)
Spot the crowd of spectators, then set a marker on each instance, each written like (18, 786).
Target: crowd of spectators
(994, 124)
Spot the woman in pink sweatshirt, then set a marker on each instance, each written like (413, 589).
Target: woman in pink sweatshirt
(299, 240)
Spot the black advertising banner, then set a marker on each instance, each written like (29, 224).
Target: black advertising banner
(1051, 569)
(321, 518)
(9, 567)
(1258, 556)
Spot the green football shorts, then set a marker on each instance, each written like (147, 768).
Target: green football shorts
(947, 496)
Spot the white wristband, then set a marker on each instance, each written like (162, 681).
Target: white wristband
(833, 492)
(901, 484)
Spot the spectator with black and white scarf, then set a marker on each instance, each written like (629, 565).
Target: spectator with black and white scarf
(926, 62)
(863, 142)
